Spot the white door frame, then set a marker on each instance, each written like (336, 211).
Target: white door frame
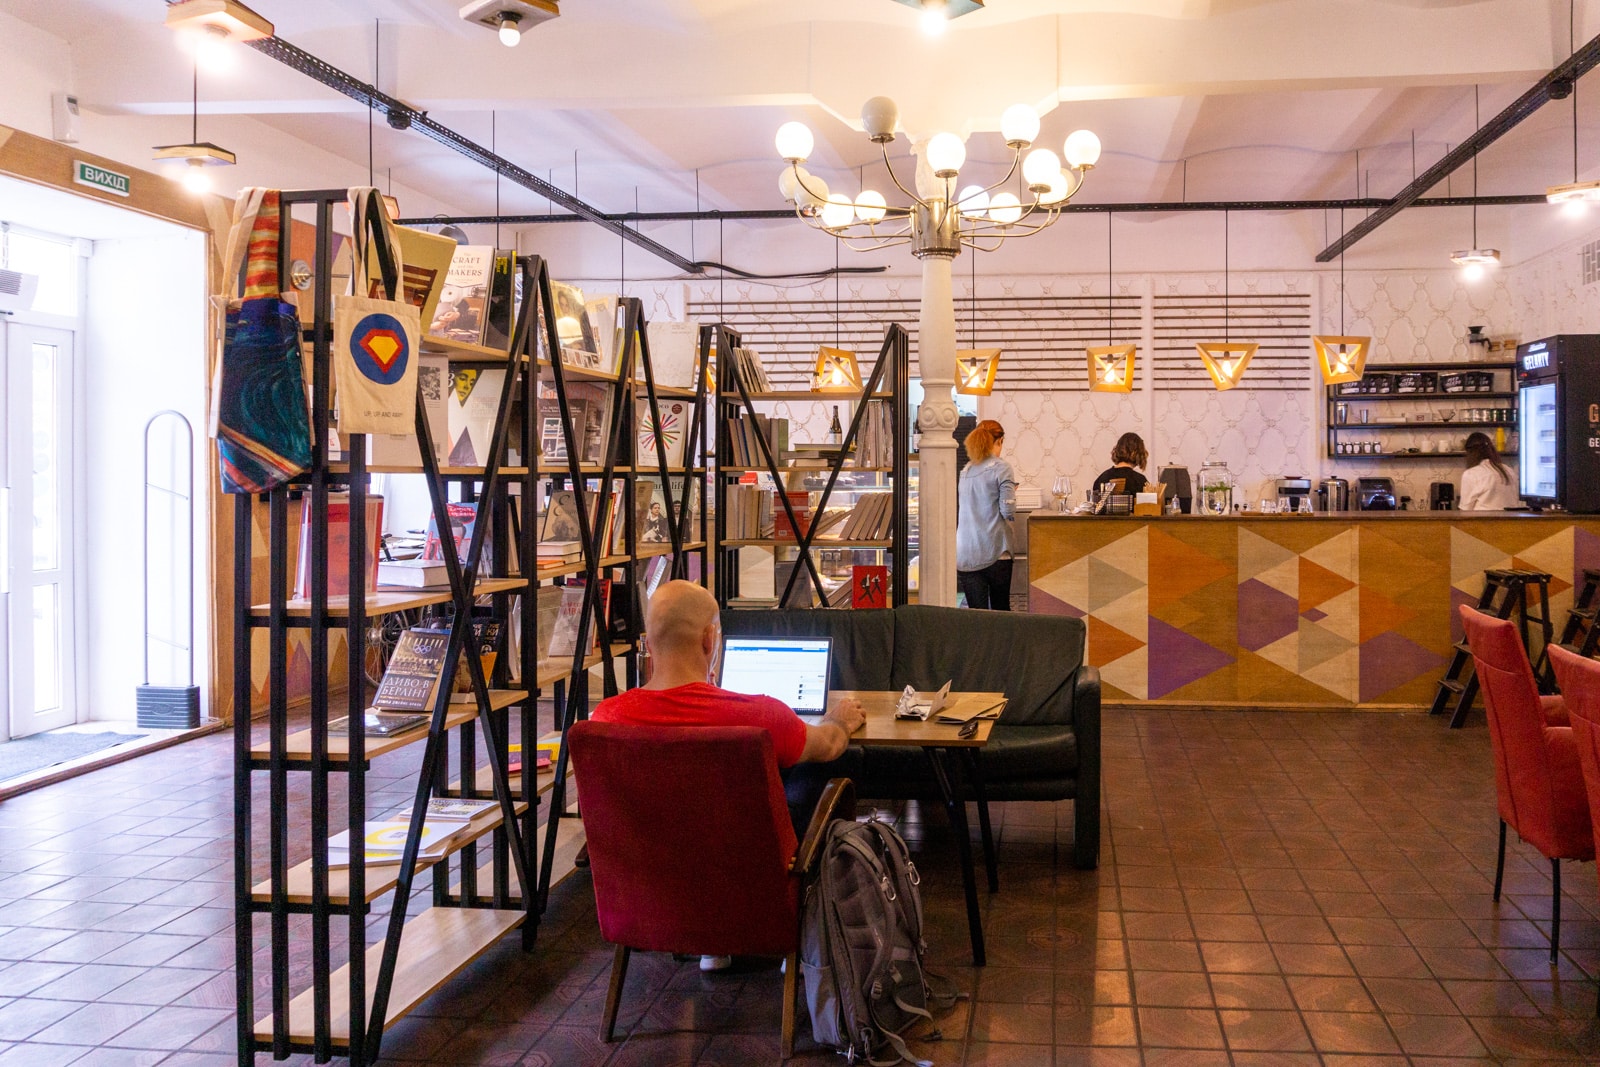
(18, 338)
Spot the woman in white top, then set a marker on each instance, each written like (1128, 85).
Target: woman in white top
(1487, 484)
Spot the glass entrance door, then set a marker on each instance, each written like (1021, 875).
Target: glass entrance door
(37, 565)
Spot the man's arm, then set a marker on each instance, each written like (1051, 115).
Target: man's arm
(827, 740)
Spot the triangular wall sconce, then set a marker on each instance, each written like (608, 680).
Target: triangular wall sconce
(1225, 361)
(1341, 359)
(1111, 368)
(837, 372)
(975, 370)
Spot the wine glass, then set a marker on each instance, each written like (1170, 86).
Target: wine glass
(1060, 490)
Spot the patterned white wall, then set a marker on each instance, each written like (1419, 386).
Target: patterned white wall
(1055, 426)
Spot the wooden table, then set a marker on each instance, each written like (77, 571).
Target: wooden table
(938, 740)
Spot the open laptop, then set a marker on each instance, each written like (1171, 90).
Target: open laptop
(791, 669)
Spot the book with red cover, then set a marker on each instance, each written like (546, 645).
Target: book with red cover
(801, 502)
(463, 526)
(869, 586)
(339, 545)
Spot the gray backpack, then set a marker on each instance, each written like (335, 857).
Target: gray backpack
(861, 946)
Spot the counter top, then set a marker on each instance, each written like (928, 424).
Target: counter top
(1321, 516)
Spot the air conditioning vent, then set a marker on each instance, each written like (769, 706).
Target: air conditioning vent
(17, 289)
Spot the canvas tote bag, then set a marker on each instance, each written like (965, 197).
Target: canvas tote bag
(259, 416)
(375, 341)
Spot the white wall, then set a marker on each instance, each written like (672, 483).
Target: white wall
(145, 352)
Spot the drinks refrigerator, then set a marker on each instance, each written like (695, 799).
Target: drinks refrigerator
(1558, 419)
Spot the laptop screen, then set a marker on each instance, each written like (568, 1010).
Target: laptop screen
(791, 669)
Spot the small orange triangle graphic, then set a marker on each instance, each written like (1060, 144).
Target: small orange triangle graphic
(1107, 644)
(1319, 584)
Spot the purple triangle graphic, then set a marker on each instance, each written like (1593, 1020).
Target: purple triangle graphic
(1389, 661)
(1314, 615)
(1177, 658)
(1265, 615)
(1042, 603)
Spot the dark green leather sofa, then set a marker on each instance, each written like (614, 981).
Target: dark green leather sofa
(1046, 745)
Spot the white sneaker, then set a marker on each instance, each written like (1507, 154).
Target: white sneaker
(715, 963)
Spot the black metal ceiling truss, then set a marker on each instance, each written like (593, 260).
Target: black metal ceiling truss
(1553, 86)
(403, 116)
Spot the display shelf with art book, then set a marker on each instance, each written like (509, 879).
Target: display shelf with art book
(819, 511)
(367, 367)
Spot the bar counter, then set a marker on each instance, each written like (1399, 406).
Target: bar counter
(1334, 610)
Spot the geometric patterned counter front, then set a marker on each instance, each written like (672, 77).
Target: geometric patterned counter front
(1325, 611)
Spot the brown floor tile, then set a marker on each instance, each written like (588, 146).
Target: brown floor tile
(1265, 1031)
(1171, 989)
(1346, 1032)
(1187, 1028)
(1322, 993)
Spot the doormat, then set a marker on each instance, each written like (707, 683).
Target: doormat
(28, 754)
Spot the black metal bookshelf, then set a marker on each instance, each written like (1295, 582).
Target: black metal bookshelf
(889, 381)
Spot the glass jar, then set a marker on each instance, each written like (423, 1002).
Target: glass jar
(1216, 489)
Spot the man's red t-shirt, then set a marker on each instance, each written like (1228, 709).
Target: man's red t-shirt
(703, 704)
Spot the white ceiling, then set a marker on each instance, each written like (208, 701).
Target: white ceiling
(626, 101)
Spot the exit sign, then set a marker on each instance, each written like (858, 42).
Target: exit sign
(99, 178)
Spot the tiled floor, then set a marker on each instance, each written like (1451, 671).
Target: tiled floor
(1277, 888)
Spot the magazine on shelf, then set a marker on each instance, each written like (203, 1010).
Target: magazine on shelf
(486, 639)
(564, 630)
(463, 528)
(501, 318)
(674, 353)
(605, 321)
(376, 723)
(450, 810)
(673, 434)
(338, 554)
(462, 311)
(426, 258)
(385, 842)
(578, 345)
(411, 680)
(473, 405)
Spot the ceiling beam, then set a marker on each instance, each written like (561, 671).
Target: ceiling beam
(1553, 86)
(402, 116)
(1172, 207)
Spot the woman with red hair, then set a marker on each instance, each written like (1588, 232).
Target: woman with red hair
(987, 499)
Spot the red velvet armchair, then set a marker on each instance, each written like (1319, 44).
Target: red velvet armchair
(691, 848)
(1536, 769)
(1580, 685)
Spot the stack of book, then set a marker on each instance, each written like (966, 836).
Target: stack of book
(870, 520)
(385, 839)
(559, 553)
(749, 515)
(744, 446)
(747, 368)
(875, 439)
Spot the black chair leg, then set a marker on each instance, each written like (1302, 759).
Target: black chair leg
(1500, 862)
(619, 971)
(1555, 911)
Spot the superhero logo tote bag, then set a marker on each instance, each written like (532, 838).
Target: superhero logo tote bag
(259, 415)
(375, 341)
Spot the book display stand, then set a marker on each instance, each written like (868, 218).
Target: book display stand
(396, 950)
(737, 414)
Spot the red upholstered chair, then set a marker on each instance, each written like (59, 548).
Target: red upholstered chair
(1580, 685)
(1536, 770)
(691, 848)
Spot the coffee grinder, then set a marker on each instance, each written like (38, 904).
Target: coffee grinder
(1442, 496)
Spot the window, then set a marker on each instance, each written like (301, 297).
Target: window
(53, 259)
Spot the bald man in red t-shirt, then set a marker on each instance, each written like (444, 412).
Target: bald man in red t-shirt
(683, 635)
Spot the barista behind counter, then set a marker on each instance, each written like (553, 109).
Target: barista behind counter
(1127, 459)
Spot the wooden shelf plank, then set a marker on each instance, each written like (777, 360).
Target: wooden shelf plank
(581, 373)
(668, 390)
(569, 842)
(804, 394)
(387, 599)
(543, 780)
(842, 470)
(577, 568)
(464, 350)
(436, 946)
(819, 543)
(299, 744)
(653, 550)
(380, 877)
(551, 672)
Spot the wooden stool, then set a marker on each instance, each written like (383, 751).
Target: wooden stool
(1505, 594)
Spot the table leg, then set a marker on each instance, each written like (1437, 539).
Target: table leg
(956, 806)
(975, 776)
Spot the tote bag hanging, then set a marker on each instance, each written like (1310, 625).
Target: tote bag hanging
(259, 417)
(375, 341)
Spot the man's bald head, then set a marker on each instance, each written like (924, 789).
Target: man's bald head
(678, 616)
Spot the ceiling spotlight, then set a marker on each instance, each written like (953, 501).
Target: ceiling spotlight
(510, 30)
(510, 19)
(936, 13)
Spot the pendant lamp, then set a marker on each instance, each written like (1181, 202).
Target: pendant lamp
(837, 371)
(976, 367)
(1341, 358)
(197, 155)
(1225, 360)
(1110, 365)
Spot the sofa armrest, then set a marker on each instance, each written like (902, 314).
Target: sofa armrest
(1086, 806)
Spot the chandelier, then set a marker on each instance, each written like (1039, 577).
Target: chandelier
(941, 220)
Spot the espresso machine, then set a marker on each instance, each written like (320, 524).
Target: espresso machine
(1442, 496)
(1291, 491)
(1376, 494)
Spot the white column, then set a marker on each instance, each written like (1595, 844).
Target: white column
(936, 504)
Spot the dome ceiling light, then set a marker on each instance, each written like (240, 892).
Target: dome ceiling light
(510, 19)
